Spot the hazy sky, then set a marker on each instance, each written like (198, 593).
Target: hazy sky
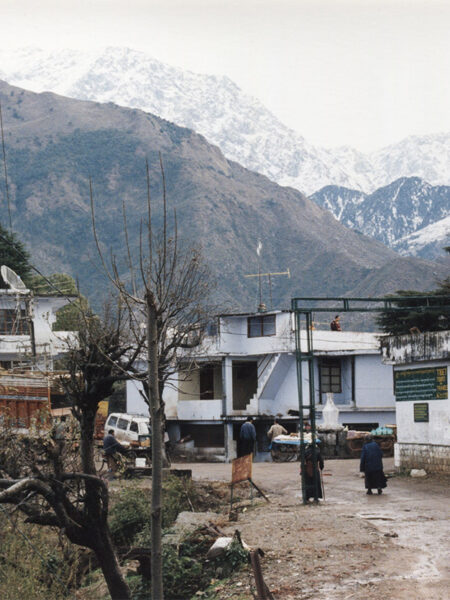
(364, 73)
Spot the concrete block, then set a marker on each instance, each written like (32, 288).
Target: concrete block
(418, 473)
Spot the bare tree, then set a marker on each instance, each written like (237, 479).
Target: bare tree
(167, 292)
(40, 482)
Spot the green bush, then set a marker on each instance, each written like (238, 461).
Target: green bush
(32, 567)
(178, 496)
(182, 576)
(131, 511)
(140, 588)
(129, 515)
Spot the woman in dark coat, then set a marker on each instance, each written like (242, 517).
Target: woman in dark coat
(372, 466)
(309, 472)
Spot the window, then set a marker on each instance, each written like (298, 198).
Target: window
(134, 426)
(330, 376)
(260, 326)
(112, 421)
(144, 428)
(13, 323)
(211, 328)
(122, 424)
(207, 383)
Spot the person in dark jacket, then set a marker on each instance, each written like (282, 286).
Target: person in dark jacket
(310, 478)
(335, 324)
(111, 447)
(372, 466)
(247, 436)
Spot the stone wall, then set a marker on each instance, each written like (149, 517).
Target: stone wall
(432, 458)
(407, 349)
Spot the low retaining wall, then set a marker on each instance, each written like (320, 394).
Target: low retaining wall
(431, 457)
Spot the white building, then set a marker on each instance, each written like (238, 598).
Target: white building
(248, 367)
(28, 348)
(421, 364)
(26, 336)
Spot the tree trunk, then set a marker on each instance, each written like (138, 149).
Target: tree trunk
(87, 425)
(102, 543)
(109, 565)
(157, 442)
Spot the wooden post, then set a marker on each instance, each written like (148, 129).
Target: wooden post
(262, 591)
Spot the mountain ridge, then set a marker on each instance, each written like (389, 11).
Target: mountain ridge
(394, 213)
(55, 146)
(239, 124)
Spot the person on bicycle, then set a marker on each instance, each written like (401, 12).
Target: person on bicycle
(110, 447)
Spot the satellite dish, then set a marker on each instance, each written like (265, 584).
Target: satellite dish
(13, 280)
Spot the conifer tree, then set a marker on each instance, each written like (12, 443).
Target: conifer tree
(431, 315)
(14, 255)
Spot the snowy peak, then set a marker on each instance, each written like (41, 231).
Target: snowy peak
(395, 213)
(428, 242)
(217, 108)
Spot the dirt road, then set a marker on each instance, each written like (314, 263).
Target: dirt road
(352, 546)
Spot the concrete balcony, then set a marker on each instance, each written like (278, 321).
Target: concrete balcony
(199, 410)
(53, 344)
(13, 345)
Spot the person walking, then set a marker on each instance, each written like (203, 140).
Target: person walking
(276, 430)
(371, 465)
(247, 436)
(313, 480)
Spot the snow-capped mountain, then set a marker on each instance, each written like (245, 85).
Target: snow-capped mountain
(428, 242)
(214, 106)
(409, 215)
(57, 147)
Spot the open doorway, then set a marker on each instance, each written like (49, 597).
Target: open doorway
(245, 382)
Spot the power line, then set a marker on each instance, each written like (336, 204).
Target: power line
(24, 257)
(5, 169)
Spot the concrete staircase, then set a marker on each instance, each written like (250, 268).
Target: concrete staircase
(265, 370)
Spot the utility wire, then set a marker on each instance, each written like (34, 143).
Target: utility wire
(46, 279)
(6, 171)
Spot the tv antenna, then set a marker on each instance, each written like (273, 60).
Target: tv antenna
(269, 275)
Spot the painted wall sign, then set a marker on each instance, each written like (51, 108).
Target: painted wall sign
(421, 384)
(421, 414)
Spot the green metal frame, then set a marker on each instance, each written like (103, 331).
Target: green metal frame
(305, 307)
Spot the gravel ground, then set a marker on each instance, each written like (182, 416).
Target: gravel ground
(351, 546)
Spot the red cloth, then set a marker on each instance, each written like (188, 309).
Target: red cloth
(335, 325)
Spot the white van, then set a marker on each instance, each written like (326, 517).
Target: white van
(129, 428)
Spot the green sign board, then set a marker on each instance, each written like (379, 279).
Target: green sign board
(421, 384)
(421, 414)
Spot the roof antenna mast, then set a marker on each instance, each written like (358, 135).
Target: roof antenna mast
(258, 252)
(262, 306)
